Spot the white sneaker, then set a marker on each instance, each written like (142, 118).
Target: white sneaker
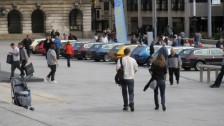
(54, 81)
(48, 79)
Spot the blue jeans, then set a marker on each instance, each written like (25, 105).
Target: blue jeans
(128, 84)
(161, 86)
(218, 80)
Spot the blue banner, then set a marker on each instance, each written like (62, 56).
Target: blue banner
(121, 32)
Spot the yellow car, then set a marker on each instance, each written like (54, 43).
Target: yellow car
(118, 51)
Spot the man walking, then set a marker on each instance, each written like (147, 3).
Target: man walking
(47, 44)
(130, 67)
(16, 59)
(174, 65)
(163, 50)
(27, 42)
(57, 42)
(218, 80)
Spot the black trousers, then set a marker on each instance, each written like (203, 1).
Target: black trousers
(52, 73)
(68, 57)
(218, 80)
(28, 52)
(23, 64)
(14, 65)
(176, 72)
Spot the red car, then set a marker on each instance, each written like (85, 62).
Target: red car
(39, 48)
(81, 53)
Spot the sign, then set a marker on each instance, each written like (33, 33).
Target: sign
(216, 1)
(121, 32)
(150, 37)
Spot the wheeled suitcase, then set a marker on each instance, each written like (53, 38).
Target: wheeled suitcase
(29, 70)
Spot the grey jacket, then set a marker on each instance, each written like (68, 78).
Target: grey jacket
(51, 57)
(23, 54)
(174, 61)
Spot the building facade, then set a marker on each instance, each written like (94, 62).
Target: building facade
(42, 16)
(174, 13)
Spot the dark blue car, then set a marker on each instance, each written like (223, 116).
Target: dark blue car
(142, 53)
(102, 52)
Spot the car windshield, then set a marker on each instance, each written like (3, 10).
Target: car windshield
(108, 46)
(95, 46)
(116, 48)
(88, 45)
(131, 47)
(185, 52)
(138, 49)
(76, 46)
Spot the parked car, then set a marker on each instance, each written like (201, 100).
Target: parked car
(192, 58)
(142, 53)
(34, 43)
(118, 51)
(39, 48)
(91, 52)
(177, 50)
(102, 52)
(83, 49)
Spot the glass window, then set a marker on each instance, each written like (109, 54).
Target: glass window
(178, 24)
(146, 5)
(202, 52)
(185, 52)
(106, 6)
(162, 5)
(216, 52)
(177, 5)
(75, 20)
(132, 5)
(199, 1)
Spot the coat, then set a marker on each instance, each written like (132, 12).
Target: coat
(69, 49)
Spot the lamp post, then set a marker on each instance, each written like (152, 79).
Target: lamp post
(194, 17)
(94, 15)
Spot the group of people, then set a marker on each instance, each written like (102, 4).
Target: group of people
(158, 71)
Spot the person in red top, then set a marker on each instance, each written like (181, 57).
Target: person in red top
(69, 52)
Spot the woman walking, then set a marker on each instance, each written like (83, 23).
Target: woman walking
(23, 58)
(69, 52)
(52, 62)
(158, 72)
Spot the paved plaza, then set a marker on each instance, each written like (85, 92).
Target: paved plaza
(86, 95)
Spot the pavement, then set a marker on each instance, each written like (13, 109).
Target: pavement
(86, 95)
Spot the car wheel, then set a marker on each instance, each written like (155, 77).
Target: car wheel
(186, 68)
(106, 58)
(197, 65)
(140, 64)
(149, 62)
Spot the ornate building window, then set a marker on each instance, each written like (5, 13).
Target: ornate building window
(76, 20)
(132, 5)
(38, 20)
(146, 5)
(14, 22)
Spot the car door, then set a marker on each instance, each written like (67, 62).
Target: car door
(217, 56)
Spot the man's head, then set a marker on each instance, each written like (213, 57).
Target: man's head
(172, 51)
(163, 43)
(13, 45)
(27, 36)
(127, 52)
(20, 45)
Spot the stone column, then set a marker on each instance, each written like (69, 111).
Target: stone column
(139, 14)
(170, 21)
(26, 20)
(3, 25)
(186, 18)
(87, 18)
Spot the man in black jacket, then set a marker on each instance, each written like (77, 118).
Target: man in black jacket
(27, 42)
(47, 43)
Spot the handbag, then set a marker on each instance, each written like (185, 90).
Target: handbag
(9, 59)
(153, 84)
(119, 77)
(29, 70)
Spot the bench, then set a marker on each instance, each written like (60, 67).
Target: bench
(209, 68)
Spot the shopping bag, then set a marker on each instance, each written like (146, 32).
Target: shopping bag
(9, 59)
(29, 70)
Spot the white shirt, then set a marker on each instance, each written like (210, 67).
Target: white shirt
(16, 51)
(130, 67)
(104, 40)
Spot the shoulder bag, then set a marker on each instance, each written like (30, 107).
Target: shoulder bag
(119, 77)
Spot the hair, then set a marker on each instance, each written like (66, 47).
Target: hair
(127, 51)
(53, 46)
(160, 61)
(20, 44)
(68, 43)
(12, 44)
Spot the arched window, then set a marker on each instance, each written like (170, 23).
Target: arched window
(38, 21)
(14, 22)
(76, 20)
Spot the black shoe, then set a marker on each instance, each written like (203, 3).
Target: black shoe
(157, 108)
(171, 83)
(131, 105)
(214, 86)
(177, 81)
(164, 107)
(125, 108)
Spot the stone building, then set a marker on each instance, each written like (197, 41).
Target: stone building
(41, 16)
(174, 13)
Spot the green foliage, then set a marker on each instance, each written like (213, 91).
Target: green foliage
(218, 35)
